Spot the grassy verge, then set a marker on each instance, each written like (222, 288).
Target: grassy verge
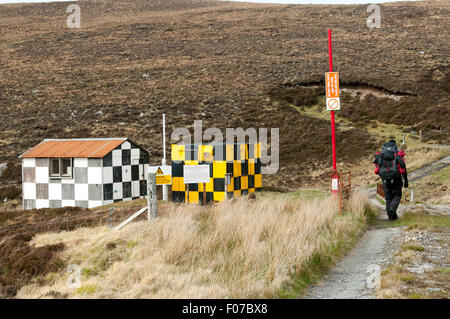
(433, 188)
(270, 247)
(302, 194)
(321, 262)
(416, 221)
(401, 279)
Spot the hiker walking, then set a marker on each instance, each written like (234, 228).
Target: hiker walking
(390, 166)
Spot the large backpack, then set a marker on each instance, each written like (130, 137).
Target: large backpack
(390, 146)
(388, 163)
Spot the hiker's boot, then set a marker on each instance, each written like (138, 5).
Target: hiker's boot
(394, 216)
(390, 215)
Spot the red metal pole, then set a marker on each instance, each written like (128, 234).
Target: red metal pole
(330, 50)
(333, 133)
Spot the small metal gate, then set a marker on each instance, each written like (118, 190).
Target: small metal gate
(380, 190)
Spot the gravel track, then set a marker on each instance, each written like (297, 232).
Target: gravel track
(348, 280)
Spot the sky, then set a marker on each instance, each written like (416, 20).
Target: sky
(260, 1)
(319, 1)
(31, 1)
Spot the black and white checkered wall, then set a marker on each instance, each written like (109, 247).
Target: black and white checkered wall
(124, 171)
(120, 175)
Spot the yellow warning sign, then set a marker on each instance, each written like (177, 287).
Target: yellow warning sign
(163, 174)
(163, 179)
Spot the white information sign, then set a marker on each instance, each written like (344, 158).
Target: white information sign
(194, 174)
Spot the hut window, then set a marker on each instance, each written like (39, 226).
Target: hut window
(61, 167)
(66, 165)
(54, 167)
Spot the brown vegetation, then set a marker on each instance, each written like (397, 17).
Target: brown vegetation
(21, 262)
(236, 249)
(31, 222)
(214, 61)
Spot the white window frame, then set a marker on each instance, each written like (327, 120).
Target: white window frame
(59, 175)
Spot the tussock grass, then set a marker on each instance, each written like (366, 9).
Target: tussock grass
(269, 247)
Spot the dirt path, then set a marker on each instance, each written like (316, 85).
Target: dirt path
(429, 169)
(349, 279)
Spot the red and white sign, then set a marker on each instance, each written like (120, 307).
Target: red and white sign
(333, 104)
(332, 91)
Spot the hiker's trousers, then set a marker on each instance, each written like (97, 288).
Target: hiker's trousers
(392, 195)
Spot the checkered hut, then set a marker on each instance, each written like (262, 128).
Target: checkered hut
(83, 172)
(241, 162)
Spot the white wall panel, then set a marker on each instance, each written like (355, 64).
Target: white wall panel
(69, 203)
(107, 175)
(42, 175)
(135, 190)
(80, 162)
(29, 190)
(55, 191)
(117, 157)
(126, 145)
(126, 173)
(42, 203)
(117, 191)
(81, 191)
(94, 175)
(28, 162)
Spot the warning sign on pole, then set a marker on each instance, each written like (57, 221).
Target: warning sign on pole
(332, 91)
(163, 174)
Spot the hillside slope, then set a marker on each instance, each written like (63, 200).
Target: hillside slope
(131, 61)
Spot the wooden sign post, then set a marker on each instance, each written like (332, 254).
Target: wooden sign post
(204, 194)
(152, 201)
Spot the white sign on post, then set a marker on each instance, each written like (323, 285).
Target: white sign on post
(334, 184)
(194, 174)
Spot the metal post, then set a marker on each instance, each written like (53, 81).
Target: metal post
(227, 176)
(420, 136)
(340, 194)
(349, 183)
(412, 195)
(152, 202)
(187, 193)
(204, 194)
(165, 188)
(333, 131)
(334, 173)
